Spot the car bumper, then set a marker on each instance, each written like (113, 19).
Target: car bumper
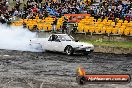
(83, 50)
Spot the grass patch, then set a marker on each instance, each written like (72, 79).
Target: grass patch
(109, 43)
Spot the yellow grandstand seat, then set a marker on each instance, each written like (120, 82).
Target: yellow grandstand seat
(97, 30)
(130, 23)
(97, 23)
(109, 30)
(86, 28)
(121, 31)
(99, 20)
(126, 31)
(80, 27)
(45, 27)
(124, 24)
(91, 17)
(92, 23)
(103, 30)
(101, 24)
(49, 27)
(120, 21)
(87, 22)
(34, 20)
(118, 25)
(36, 17)
(58, 27)
(112, 23)
(115, 30)
(87, 17)
(117, 19)
(125, 21)
(34, 23)
(43, 20)
(30, 26)
(25, 20)
(37, 20)
(107, 23)
(91, 29)
(131, 32)
(40, 26)
(105, 20)
(83, 22)
(30, 20)
(18, 23)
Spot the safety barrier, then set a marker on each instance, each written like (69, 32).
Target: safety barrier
(76, 17)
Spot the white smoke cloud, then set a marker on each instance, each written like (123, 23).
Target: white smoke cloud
(17, 38)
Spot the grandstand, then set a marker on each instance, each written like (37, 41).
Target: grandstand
(86, 25)
(110, 17)
(42, 24)
(105, 26)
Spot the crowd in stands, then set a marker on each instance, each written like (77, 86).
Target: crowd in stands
(111, 9)
(114, 9)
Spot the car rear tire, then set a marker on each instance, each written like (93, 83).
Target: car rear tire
(69, 50)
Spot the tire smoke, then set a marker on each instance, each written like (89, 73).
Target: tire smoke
(17, 38)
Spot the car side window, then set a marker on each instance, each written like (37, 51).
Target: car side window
(53, 38)
(50, 39)
(57, 38)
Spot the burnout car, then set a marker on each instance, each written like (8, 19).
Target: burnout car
(63, 43)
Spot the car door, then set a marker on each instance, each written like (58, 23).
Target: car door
(57, 44)
(49, 46)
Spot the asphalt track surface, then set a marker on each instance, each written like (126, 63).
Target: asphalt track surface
(56, 70)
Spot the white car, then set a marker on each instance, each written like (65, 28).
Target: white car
(63, 43)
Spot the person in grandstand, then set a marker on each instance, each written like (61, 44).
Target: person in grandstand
(54, 25)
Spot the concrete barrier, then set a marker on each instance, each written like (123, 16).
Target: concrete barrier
(115, 50)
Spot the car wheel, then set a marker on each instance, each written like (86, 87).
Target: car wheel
(69, 50)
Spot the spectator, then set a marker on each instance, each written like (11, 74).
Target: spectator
(127, 18)
(54, 25)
